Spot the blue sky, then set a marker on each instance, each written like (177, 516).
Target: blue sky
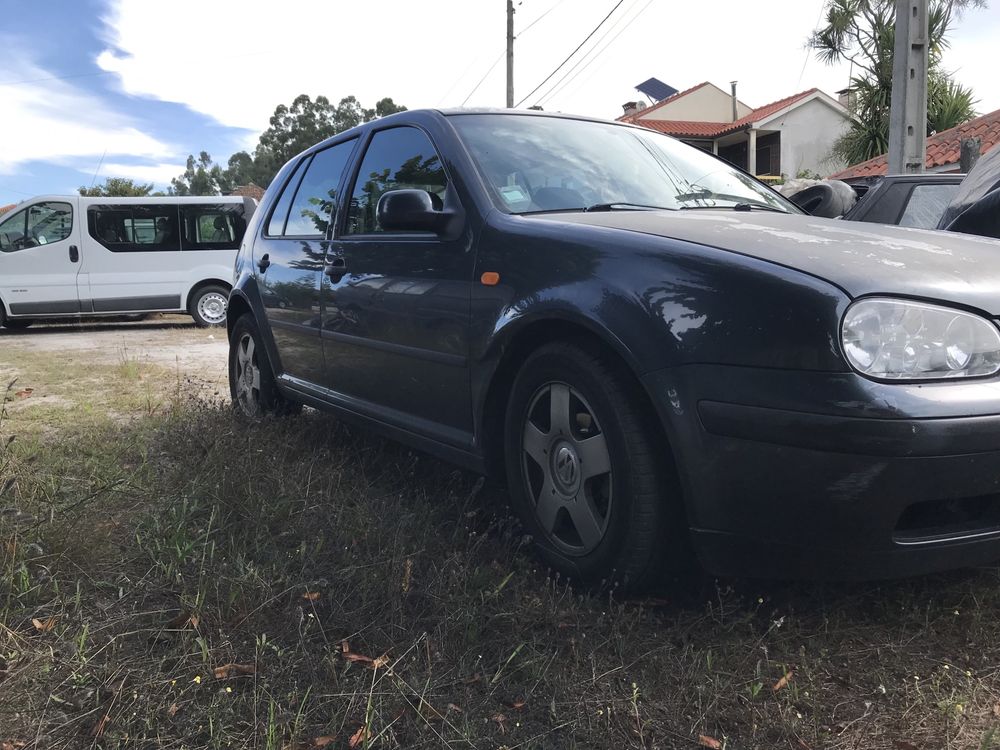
(131, 87)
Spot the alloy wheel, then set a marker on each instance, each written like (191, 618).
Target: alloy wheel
(247, 376)
(567, 468)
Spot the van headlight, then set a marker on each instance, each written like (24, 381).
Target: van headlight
(897, 339)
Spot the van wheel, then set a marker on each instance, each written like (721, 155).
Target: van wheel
(251, 378)
(208, 306)
(584, 472)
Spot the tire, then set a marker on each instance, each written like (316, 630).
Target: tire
(208, 306)
(825, 199)
(251, 377)
(621, 524)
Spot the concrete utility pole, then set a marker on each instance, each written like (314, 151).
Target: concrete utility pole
(908, 113)
(510, 54)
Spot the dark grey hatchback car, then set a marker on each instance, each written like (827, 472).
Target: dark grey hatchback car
(659, 354)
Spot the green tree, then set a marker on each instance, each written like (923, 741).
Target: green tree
(116, 187)
(292, 129)
(201, 177)
(862, 32)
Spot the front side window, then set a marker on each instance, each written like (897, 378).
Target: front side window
(927, 205)
(316, 197)
(212, 226)
(143, 228)
(537, 164)
(397, 158)
(41, 224)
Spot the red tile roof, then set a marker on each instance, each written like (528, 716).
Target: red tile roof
(5, 209)
(942, 148)
(697, 129)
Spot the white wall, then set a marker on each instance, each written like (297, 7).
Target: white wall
(707, 104)
(807, 135)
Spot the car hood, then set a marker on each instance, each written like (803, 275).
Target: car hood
(858, 257)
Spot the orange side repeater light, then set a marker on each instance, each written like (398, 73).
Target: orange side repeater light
(490, 278)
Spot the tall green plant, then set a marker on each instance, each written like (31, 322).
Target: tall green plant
(862, 33)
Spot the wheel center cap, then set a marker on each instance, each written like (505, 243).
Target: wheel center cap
(565, 468)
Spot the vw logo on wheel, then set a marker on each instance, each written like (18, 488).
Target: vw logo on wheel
(566, 465)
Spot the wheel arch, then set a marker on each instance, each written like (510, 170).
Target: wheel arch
(201, 285)
(238, 306)
(513, 348)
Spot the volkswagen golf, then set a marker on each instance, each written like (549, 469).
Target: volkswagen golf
(662, 358)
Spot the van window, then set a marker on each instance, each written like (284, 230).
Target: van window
(276, 225)
(317, 194)
(130, 229)
(41, 224)
(212, 226)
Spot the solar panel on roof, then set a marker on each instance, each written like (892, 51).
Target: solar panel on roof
(656, 89)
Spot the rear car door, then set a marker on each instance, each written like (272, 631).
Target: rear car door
(397, 304)
(40, 259)
(289, 257)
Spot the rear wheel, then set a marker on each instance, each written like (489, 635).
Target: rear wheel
(208, 306)
(584, 470)
(251, 378)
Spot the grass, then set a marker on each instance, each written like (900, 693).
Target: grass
(171, 576)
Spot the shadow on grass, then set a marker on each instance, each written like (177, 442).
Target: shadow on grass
(192, 580)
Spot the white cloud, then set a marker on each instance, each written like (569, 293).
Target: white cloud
(237, 66)
(56, 122)
(158, 174)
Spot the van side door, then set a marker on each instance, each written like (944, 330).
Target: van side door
(132, 258)
(40, 259)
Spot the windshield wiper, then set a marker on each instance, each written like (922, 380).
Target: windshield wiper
(625, 206)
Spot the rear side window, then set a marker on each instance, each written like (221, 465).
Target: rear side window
(130, 229)
(316, 197)
(927, 205)
(41, 224)
(276, 224)
(397, 158)
(212, 226)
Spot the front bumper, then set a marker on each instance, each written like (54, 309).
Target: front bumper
(829, 475)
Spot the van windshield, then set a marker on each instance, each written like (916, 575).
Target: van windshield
(536, 164)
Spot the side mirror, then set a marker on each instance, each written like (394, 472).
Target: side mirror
(410, 210)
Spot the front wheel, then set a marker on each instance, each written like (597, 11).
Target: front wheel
(208, 306)
(251, 378)
(584, 470)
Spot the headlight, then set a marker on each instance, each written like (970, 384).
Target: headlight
(897, 339)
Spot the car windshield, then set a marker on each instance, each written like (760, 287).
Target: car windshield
(537, 164)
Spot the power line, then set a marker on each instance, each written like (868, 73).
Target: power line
(497, 61)
(559, 66)
(558, 89)
(588, 53)
(56, 78)
(485, 76)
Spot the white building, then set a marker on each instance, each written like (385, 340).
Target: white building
(783, 138)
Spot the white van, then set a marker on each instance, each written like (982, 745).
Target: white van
(68, 256)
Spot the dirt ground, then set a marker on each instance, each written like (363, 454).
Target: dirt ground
(171, 341)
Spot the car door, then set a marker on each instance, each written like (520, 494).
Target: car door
(289, 256)
(396, 308)
(132, 257)
(40, 259)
